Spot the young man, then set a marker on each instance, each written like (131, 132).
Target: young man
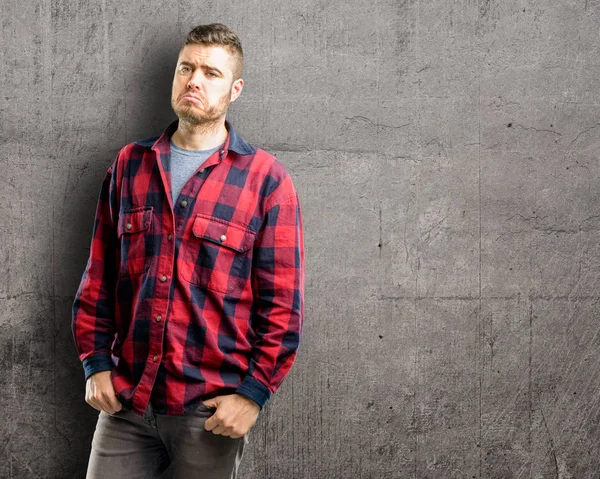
(190, 309)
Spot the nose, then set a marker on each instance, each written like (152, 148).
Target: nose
(194, 81)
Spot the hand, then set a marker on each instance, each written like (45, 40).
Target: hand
(234, 417)
(100, 393)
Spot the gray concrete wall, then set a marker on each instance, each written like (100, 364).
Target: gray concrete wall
(445, 152)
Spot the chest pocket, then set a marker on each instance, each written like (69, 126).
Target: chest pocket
(216, 255)
(133, 230)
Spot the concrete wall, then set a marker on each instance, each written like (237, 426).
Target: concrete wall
(445, 152)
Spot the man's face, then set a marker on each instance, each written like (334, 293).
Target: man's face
(203, 85)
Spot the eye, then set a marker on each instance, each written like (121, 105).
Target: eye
(184, 68)
(212, 74)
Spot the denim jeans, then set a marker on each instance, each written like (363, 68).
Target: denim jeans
(162, 447)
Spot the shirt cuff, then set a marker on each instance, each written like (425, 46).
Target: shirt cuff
(255, 390)
(96, 363)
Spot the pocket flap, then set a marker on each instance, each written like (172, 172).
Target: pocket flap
(223, 232)
(135, 220)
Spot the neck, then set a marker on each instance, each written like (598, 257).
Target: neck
(194, 136)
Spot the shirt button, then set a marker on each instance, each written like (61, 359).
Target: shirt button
(128, 226)
(169, 237)
(184, 203)
(158, 318)
(155, 358)
(163, 278)
(223, 238)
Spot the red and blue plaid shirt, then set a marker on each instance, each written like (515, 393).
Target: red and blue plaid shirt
(204, 297)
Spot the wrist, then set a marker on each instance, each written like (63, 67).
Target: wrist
(251, 401)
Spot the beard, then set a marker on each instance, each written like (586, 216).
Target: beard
(207, 117)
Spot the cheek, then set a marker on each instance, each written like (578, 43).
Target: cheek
(178, 81)
(178, 88)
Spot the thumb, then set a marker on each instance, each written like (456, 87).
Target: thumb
(212, 402)
(116, 404)
(113, 401)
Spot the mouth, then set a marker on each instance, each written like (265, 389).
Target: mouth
(191, 98)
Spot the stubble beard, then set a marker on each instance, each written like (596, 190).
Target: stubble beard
(207, 119)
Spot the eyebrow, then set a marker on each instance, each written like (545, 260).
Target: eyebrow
(194, 66)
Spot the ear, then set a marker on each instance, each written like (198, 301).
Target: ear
(236, 89)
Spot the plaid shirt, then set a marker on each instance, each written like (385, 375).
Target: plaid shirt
(205, 297)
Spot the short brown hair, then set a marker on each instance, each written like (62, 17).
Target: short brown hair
(218, 34)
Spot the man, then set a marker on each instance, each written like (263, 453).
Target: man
(190, 309)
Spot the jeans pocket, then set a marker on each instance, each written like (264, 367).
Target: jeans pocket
(203, 409)
(116, 413)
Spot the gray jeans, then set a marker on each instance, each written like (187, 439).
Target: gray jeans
(160, 447)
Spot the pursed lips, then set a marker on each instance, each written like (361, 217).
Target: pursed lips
(191, 98)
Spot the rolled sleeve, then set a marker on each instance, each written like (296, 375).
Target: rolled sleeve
(278, 288)
(93, 325)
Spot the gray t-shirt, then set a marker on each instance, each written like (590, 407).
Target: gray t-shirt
(183, 164)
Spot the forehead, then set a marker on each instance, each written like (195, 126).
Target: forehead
(214, 55)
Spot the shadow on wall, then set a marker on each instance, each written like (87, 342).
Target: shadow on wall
(140, 109)
(148, 91)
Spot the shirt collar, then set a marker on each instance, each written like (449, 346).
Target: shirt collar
(234, 142)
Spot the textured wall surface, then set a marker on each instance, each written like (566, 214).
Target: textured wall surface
(445, 152)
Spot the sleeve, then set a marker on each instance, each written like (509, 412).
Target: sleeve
(278, 288)
(93, 324)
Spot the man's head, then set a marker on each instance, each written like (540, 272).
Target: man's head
(208, 74)
(219, 35)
